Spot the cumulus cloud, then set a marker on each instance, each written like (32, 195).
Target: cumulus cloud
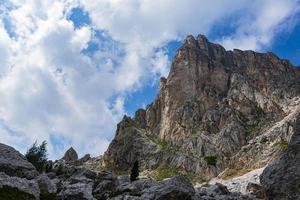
(54, 88)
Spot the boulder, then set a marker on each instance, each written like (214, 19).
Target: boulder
(15, 188)
(105, 185)
(256, 190)
(79, 186)
(70, 155)
(281, 179)
(175, 188)
(13, 163)
(77, 191)
(219, 192)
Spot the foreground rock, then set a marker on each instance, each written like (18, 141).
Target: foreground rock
(281, 179)
(219, 192)
(13, 163)
(68, 181)
(14, 188)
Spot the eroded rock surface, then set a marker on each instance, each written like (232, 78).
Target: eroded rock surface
(281, 178)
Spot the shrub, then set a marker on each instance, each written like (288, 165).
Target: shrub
(37, 155)
(282, 144)
(211, 160)
(134, 171)
(162, 143)
(250, 130)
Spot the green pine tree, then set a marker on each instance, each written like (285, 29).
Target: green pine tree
(37, 155)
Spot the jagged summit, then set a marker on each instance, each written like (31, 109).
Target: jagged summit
(215, 111)
(70, 155)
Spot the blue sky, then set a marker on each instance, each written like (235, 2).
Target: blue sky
(70, 70)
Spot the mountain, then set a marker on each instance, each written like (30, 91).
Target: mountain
(218, 113)
(225, 125)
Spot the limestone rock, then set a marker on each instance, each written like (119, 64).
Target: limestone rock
(176, 188)
(13, 163)
(282, 177)
(46, 186)
(70, 155)
(219, 192)
(20, 187)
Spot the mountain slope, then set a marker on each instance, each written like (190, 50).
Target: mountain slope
(217, 111)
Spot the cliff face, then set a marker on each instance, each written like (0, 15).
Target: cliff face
(217, 111)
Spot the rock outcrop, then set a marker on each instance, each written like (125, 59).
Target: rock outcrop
(13, 163)
(217, 111)
(70, 155)
(281, 179)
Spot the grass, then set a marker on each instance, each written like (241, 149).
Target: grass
(160, 142)
(194, 131)
(250, 130)
(282, 144)
(163, 173)
(211, 160)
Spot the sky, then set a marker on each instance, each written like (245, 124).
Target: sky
(71, 69)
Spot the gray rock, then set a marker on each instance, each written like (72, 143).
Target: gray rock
(281, 178)
(13, 163)
(22, 185)
(219, 192)
(106, 185)
(78, 186)
(256, 190)
(77, 191)
(85, 158)
(45, 184)
(175, 188)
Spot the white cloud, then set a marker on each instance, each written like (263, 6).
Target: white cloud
(5, 50)
(50, 89)
(261, 23)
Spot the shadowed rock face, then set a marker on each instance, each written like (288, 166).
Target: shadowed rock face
(281, 179)
(217, 110)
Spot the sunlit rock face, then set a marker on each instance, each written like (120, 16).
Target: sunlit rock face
(217, 111)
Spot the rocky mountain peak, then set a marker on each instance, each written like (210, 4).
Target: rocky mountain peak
(211, 113)
(70, 155)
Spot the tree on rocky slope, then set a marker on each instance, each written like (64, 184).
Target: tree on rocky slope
(37, 155)
(134, 171)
